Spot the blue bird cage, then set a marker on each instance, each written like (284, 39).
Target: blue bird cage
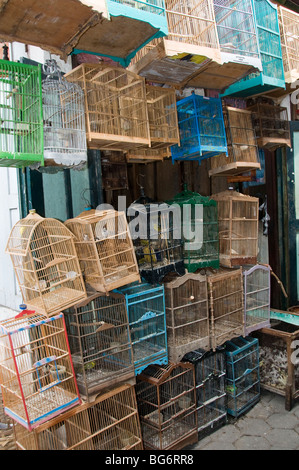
(147, 321)
(242, 375)
(202, 130)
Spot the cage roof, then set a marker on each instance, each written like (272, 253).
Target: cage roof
(231, 194)
(91, 216)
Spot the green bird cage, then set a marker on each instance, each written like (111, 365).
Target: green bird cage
(199, 229)
(21, 116)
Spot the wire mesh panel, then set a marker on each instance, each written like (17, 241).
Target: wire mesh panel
(36, 371)
(21, 116)
(46, 265)
(289, 36)
(167, 406)
(257, 296)
(115, 106)
(100, 343)
(105, 250)
(109, 423)
(146, 312)
(187, 315)
(202, 131)
(242, 375)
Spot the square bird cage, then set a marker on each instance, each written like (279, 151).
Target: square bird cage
(46, 265)
(36, 372)
(199, 229)
(114, 170)
(100, 343)
(289, 36)
(241, 143)
(21, 115)
(257, 296)
(238, 218)
(167, 406)
(202, 131)
(187, 315)
(115, 106)
(146, 314)
(111, 422)
(105, 249)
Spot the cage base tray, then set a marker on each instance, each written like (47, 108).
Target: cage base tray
(56, 300)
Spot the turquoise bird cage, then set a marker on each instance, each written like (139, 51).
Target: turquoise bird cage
(269, 41)
(202, 130)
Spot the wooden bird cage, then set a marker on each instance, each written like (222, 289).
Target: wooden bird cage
(99, 337)
(238, 217)
(36, 372)
(150, 155)
(105, 249)
(46, 265)
(167, 406)
(226, 305)
(257, 297)
(111, 422)
(115, 107)
(114, 170)
(241, 144)
(289, 36)
(146, 313)
(21, 115)
(187, 315)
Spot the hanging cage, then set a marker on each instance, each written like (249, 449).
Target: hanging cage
(289, 36)
(257, 297)
(114, 170)
(149, 155)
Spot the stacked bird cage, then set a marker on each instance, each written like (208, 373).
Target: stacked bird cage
(105, 249)
(149, 155)
(187, 315)
(115, 106)
(36, 372)
(114, 170)
(202, 130)
(46, 264)
(289, 36)
(64, 120)
(238, 217)
(242, 375)
(146, 313)
(199, 226)
(226, 304)
(111, 422)
(21, 116)
(241, 144)
(257, 296)
(99, 337)
(167, 406)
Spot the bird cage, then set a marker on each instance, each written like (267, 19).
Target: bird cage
(289, 36)
(21, 116)
(210, 371)
(226, 305)
(257, 297)
(105, 250)
(146, 313)
(99, 337)
(148, 155)
(242, 375)
(187, 315)
(111, 422)
(46, 265)
(241, 143)
(36, 372)
(238, 218)
(64, 120)
(114, 170)
(167, 406)
(115, 106)
(202, 131)
(199, 225)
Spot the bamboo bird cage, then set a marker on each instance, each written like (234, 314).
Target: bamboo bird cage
(289, 36)
(105, 249)
(257, 297)
(149, 155)
(36, 372)
(46, 265)
(114, 170)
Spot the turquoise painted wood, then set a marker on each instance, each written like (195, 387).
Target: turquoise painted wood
(287, 317)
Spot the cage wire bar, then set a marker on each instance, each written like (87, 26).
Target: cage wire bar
(289, 37)
(257, 297)
(167, 406)
(21, 115)
(36, 372)
(111, 422)
(45, 263)
(100, 343)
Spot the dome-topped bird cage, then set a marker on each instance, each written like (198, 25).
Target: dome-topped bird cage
(289, 36)
(46, 265)
(199, 225)
(64, 120)
(105, 249)
(241, 143)
(238, 218)
(21, 115)
(257, 296)
(115, 106)
(201, 126)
